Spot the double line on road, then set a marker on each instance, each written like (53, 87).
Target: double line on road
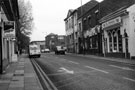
(46, 82)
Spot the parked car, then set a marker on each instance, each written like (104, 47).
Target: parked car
(46, 50)
(43, 50)
(59, 50)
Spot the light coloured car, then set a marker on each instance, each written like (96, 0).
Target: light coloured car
(46, 50)
(59, 50)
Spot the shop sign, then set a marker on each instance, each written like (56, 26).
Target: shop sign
(111, 22)
(9, 29)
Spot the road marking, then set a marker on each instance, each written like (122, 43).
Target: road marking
(64, 70)
(124, 68)
(97, 69)
(74, 62)
(129, 79)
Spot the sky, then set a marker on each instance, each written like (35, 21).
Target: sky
(49, 16)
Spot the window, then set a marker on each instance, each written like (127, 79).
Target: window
(80, 26)
(110, 41)
(85, 24)
(120, 42)
(89, 20)
(52, 36)
(115, 41)
(90, 42)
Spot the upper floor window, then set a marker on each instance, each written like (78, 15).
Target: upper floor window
(84, 24)
(89, 20)
(80, 26)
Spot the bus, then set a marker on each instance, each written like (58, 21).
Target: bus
(34, 50)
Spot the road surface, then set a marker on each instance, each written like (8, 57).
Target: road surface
(73, 72)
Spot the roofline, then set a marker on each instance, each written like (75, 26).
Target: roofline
(114, 14)
(71, 14)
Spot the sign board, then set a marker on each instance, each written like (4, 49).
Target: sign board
(111, 22)
(9, 29)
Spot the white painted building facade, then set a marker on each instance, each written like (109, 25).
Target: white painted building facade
(119, 33)
(8, 40)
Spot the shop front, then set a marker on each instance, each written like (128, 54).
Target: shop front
(115, 39)
(92, 41)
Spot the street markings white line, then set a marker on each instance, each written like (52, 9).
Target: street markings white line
(129, 79)
(73, 62)
(97, 69)
(64, 70)
(124, 68)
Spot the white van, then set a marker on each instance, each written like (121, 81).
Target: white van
(34, 50)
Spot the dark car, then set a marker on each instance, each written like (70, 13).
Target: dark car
(59, 50)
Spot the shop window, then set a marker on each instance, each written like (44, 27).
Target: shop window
(90, 42)
(93, 41)
(115, 41)
(120, 42)
(110, 42)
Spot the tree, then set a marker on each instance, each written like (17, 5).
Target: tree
(25, 24)
(26, 18)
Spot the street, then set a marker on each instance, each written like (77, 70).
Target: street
(74, 72)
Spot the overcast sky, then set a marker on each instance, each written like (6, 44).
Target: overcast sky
(49, 16)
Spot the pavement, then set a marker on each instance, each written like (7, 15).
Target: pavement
(21, 75)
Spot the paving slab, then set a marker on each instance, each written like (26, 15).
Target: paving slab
(20, 76)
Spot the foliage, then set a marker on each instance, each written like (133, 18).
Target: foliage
(26, 19)
(25, 24)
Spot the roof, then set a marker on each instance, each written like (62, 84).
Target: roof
(86, 7)
(109, 6)
(82, 9)
(11, 9)
(119, 12)
(70, 11)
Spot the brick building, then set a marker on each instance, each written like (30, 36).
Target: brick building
(52, 40)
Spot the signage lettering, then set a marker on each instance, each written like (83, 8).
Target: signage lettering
(111, 22)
